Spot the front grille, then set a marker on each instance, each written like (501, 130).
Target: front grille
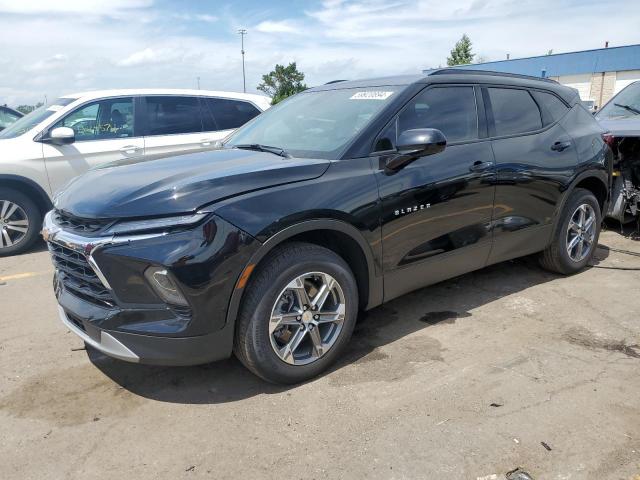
(78, 277)
(77, 224)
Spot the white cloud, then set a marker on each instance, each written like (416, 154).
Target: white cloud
(79, 46)
(93, 7)
(204, 17)
(269, 26)
(200, 17)
(56, 61)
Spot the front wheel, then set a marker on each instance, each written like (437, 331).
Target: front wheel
(297, 315)
(576, 237)
(20, 222)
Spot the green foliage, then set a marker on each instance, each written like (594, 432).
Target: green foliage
(28, 108)
(282, 82)
(461, 53)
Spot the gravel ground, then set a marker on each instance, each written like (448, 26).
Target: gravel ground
(507, 367)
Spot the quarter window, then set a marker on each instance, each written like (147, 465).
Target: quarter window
(104, 119)
(554, 107)
(172, 114)
(231, 114)
(7, 118)
(514, 111)
(452, 110)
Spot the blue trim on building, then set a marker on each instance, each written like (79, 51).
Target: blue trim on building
(613, 59)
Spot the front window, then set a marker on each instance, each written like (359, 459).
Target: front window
(34, 118)
(316, 124)
(104, 119)
(625, 104)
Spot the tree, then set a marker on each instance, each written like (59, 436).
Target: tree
(282, 82)
(28, 108)
(461, 53)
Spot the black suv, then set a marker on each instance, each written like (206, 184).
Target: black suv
(338, 199)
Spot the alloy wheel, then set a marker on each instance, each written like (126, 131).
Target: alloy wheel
(307, 318)
(581, 232)
(14, 223)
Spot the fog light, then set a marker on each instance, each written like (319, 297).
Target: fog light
(161, 281)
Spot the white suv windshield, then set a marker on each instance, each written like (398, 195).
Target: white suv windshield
(316, 124)
(32, 119)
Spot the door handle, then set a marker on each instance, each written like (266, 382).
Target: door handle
(480, 166)
(560, 146)
(130, 149)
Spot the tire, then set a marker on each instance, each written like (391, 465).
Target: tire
(557, 257)
(13, 240)
(257, 346)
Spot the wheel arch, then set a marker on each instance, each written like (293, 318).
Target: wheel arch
(29, 188)
(340, 237)
(595, 182)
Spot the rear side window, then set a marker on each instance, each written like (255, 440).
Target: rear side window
(553, 106)
(514, 111)
(172, 115)
(229, 114)
(451, 110)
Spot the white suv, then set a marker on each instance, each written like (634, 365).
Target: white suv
(42, 151)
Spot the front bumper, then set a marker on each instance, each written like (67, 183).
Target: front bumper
(116, 312)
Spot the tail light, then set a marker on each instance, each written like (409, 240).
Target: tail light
(608, 139)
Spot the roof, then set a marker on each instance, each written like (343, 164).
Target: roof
(612, 59)
(257, 99)
(455, 75)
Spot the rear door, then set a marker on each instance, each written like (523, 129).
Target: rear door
(534, 157)
(173, 124)
(436, 212)
(104, 132)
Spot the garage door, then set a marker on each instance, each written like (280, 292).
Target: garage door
(625, 78)
(581, 82)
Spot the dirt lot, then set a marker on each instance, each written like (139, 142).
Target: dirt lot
(462, 380)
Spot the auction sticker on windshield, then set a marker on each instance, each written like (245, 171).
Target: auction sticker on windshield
(371, 95)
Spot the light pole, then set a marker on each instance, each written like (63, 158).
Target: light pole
(242, 33)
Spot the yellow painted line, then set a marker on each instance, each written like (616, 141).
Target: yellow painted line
(20, 276)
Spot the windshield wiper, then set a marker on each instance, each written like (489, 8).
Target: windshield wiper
(628, 107)
(264, 148)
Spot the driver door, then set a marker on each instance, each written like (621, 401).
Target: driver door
(436, 211)
(105, 132)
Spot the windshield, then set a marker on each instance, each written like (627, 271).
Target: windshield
(317, 124)
(32, 119)
(624, 104)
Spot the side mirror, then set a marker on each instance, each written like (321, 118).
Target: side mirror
(416, 143)
(61, 136)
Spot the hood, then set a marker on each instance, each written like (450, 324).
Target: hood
(621, 126)
(179, 184)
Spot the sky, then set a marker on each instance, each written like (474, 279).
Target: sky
(55, 47)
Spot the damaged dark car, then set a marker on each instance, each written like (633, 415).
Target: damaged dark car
(620, 117)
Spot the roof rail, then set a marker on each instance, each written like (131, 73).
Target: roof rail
(457, 71)
(335, 81)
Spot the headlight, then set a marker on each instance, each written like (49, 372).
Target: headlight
(155, 223)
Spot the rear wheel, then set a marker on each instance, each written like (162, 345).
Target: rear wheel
(298, 314)
(576, 236)
(20, 222)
